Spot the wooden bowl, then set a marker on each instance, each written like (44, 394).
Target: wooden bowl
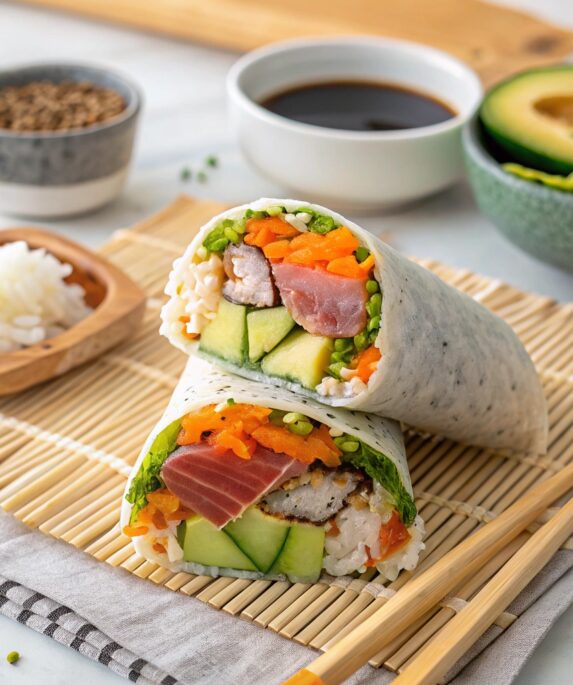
(118, 305)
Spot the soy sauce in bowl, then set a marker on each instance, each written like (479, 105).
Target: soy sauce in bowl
(359, 106)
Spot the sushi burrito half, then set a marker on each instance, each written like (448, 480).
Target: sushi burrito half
(244, 479)
(293, 294)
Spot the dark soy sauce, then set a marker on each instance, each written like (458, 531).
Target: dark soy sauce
(359, 106)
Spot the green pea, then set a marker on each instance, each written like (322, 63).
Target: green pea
(376, 303)
(230, 402)
(361, 341)
(218, 245)
(300, 427)
(373, 335)
(334, 369)
(293, 417)
(374, 323)
(337, 357)
(240, 225)
(275, 211)
(362, 253)
(232, 235)
(372, 287)
(349, 446)
(12, 657)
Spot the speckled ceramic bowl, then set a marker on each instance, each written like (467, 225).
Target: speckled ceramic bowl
(62, 173)
(537, 218)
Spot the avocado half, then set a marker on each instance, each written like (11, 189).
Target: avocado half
(530, 116)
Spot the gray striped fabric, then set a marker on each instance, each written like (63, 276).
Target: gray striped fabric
(59, 622)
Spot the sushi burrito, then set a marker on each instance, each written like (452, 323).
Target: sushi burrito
(242, 478)
(295, 295)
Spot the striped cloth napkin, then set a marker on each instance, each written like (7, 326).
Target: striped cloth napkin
(59, 622)
(153, 636)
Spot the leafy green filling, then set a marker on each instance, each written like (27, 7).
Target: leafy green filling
(382, 469)
(147, 478)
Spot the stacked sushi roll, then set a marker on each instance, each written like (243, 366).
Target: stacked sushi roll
(279, 455)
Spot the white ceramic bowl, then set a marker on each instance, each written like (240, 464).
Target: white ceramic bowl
(353, 170)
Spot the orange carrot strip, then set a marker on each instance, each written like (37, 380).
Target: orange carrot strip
(304, 449)
(272, 223)
(348, 267)
(365, 363)
(158, 547)
(165, 501)
(238, 443)
(180, 515)
(277, 250)
(135, 531)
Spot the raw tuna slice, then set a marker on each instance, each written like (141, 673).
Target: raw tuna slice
(221, 486)
(321, 302)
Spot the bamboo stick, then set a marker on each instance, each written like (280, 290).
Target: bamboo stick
(442, 652)
(424, 591)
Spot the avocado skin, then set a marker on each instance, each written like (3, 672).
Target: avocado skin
(516, 151)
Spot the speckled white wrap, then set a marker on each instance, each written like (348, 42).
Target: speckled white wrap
(449, 366)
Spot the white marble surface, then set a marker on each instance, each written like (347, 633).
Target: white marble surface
(184, 120)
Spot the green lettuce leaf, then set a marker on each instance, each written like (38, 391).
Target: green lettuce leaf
(383, 470)
(147, 478)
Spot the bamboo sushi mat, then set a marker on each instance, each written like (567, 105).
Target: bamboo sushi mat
(66, 449)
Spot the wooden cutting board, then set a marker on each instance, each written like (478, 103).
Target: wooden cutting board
(494, 40)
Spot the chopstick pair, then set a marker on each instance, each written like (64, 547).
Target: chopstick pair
(426, 590)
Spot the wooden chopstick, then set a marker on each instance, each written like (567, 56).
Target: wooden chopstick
(423, 592)
(459, 634)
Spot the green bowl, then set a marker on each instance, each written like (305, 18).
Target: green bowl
(536, 218)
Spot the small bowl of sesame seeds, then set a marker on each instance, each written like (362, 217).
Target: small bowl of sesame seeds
(66, 138)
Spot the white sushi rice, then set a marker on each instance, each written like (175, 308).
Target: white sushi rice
(35, 301)
(359, 528)
(193, 293)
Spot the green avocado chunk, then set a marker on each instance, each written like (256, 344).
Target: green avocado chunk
(226, 335)
(203, 543)
(529, 117)
(301, 556)
(300, 357)
(266, 328)
(260, 536)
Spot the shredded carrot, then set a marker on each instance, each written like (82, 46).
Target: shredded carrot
(332, 251)
(158, 547)
(164, 501)
(240, 426)
(274, 224)
(393, 536)
(190, 336)
(347, 266)
(277, 250)
(238, 442)
(365, 363)
(229, 428)
(317, 445)
(180, 515)
(135, 531)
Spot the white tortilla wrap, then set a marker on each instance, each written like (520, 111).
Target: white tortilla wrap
(449, 366)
